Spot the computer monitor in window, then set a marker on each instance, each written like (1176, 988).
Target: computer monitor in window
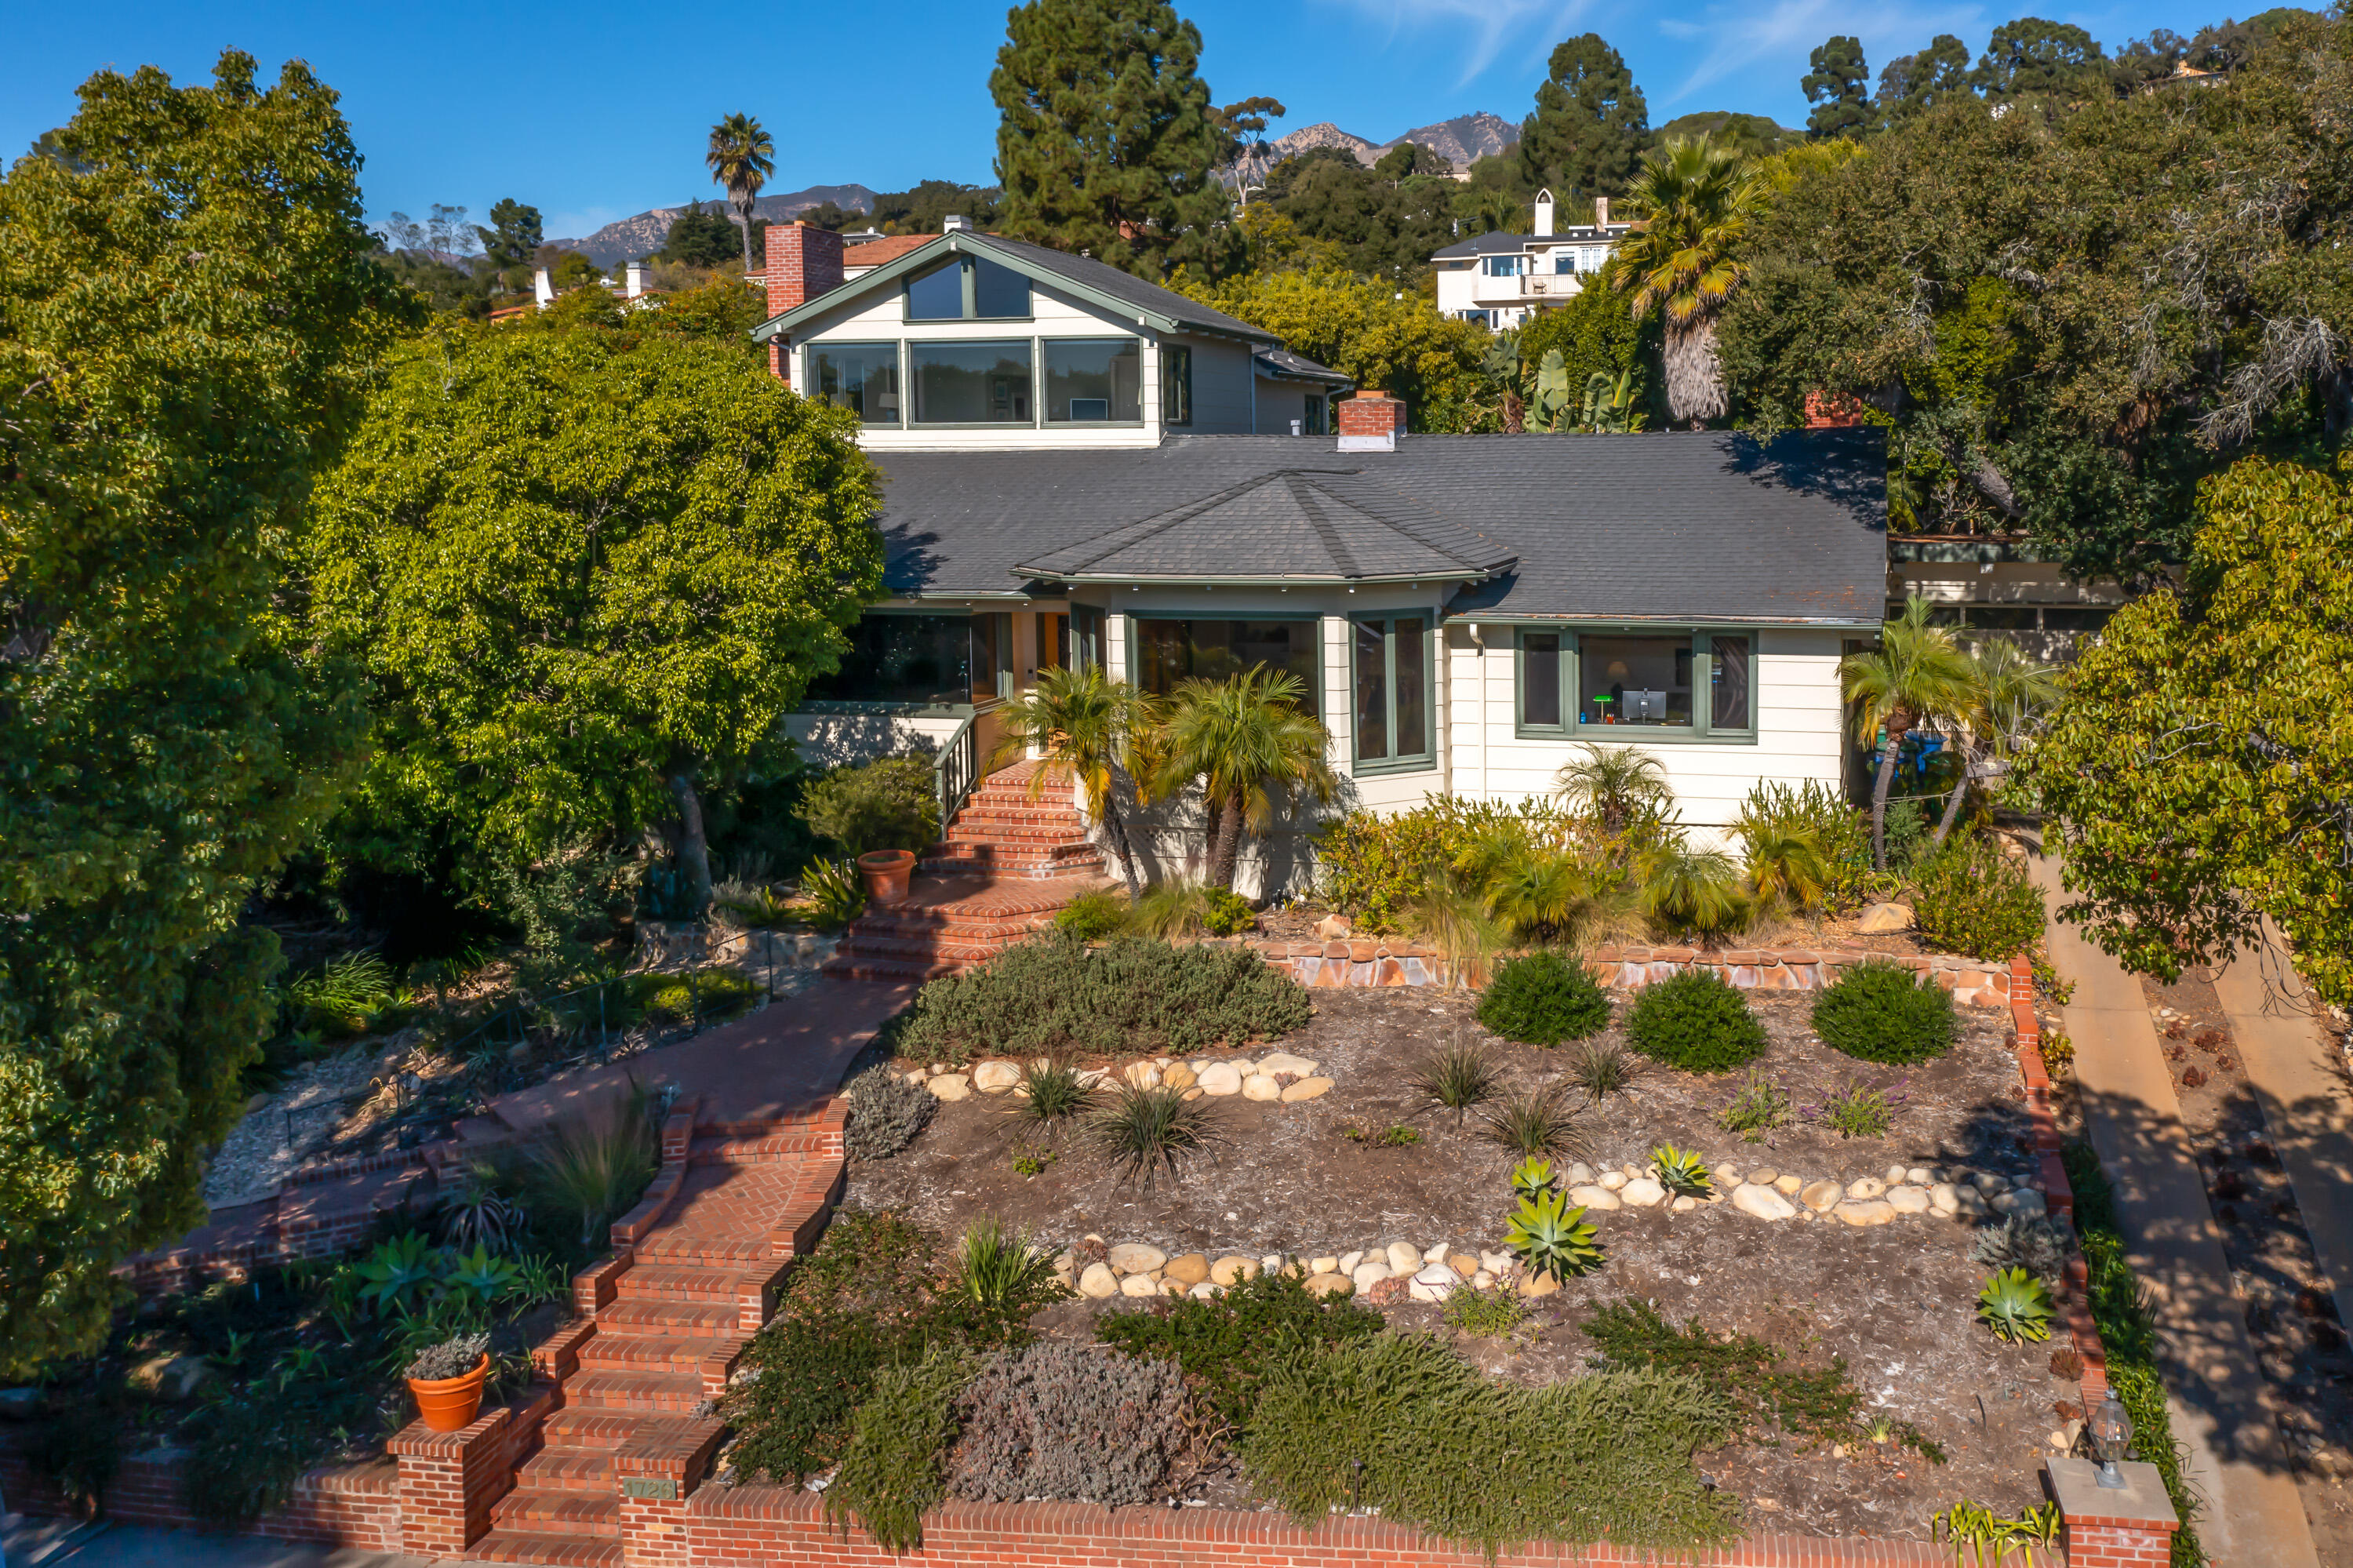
(1644, 705)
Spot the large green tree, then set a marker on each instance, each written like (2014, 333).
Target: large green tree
(1108, 141)
(2030, 56)
(1591, 122)
(585, 573)
(1913, 84)
(1363, 329)
(187, 312)
(2200, 766)
(1838, 85)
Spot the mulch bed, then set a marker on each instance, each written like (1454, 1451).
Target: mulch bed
(1897, 1301)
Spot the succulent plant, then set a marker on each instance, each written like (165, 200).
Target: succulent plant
(1532, 1178)
(2015, 1306)
(1683, 1172)
(1548, 1236)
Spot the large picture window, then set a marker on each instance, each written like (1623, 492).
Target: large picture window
(1394, 721)
(862, 377)
(1687, 685)
(902, 659)
(971, 383)
(1094, 381)
(1167, 651)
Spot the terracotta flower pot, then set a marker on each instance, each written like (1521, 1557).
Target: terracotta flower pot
(449, 1404)
(887, 873)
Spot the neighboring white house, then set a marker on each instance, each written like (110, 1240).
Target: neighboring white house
(1504, 279)
(1466, 612)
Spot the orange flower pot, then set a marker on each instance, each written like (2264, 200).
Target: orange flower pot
(887, 873)
(449, 1404)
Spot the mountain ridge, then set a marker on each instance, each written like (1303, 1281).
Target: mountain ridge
(628, 239)
(1461, 141)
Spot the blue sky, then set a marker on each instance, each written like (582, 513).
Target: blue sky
(593, 115)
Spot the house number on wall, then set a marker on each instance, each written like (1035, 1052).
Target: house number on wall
(662, 1488)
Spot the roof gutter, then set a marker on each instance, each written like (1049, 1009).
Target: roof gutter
(1139, 581)
(1488, 617)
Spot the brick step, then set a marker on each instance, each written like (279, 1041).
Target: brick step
(1016, 809)
(545, 1546)
(925, 945)
(738, 1250)
(1014, 868)
(573, 1428)
(560, 1511)
(655, 1351)
(638, 1317)
(887, 969)
(568, 1469)
(644, 1393)
(1012, 846)
(677, 1282)
(998, 831)
(773, 1149)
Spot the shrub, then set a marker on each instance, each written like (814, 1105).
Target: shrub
(1975, 900)
(1145, 1131)
(2016, 1307)
(1054, 992)
(1092, 917)
(1400, 1424)
(2033, 1245)
(1171, 911)
(1483, 1314)
(1695, 890)
(1880, 1011)
(1229, 1345)
(887, 804)
(1550, 1237)
(1602, 1068)
(343, 997)
(1695, 1021)
(1371, 867)
(1077, 1422)
(1858, 1110)
(1838, 836)
(997, 1268)
(712, 991)
(886, 1112)
(1543, 999)
(1460, 1076)
(1534, 1122)
(1756, 1110)
(1228, 913)
(891, 1471)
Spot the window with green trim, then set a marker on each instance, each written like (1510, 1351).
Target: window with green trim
(1395, 722)
(1694, 684)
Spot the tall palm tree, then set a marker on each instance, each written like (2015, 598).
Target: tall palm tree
(1685, 260)
(1916, 675)
(2008, 692)
(1249, 741)
(741, 156)
(1093, 727)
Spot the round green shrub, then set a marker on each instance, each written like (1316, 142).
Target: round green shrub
(1880, 1011)
(1974, 900)
(1542, 1000)
(1694, 1022)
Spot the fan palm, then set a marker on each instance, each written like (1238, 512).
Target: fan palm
(1248, 740)
(1685, 260)
(1619, 784)
(2008, 693)
(741, 157)
(1502, 213)
(1091, 726)
(1917, 675)
(1692, 889)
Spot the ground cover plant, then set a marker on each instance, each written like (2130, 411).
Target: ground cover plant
(1694, 1022)
(1231, 1344)
(885, 1113)
(1543, 999)
(1882, 1011)
(1082, 1422)
(1054, 992)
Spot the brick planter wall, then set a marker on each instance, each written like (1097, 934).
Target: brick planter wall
(1972, 981)
(357, 1506)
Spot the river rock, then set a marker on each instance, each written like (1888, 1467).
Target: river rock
(1205, 1291)
(996, 1077)
(1098, 1282)
(1435, 1283)
(1316, 1265)
(1134, 1257)
(1139, 1285)
(1788, 1186)
(1305, 1089)
(1284, 1062)
(1684, 1205)
(1643, 1192)
(1823, 1196)
(2021, 1203)
(1463, 1264)
(1868, 1188)
(1348, 1261)
(1328, 1282)
(1883, 919)
(1539, 1285)
(1908, 1199)
(1614, 1180)
(1402, 1258)
(1762, 1201)
(1866, 1211)
(1919, 1176)
(1989, 1182)
(1220, 1078)
(1943, 1199)
(1142, 1075)
(1232, 1269)
(170, 1378)
(1259, 1086)
(1764, 1177)
(1179, 1076)
(1192, 1268)
(950, 1086)
(1579, 1171)
(1598, 1199)
(1370, 1273)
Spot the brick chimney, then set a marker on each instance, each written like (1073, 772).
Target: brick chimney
(1371, 421)
(1831, 412)
(802, 263)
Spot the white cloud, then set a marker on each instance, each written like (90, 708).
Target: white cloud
(1485, 28)
(1786, 32)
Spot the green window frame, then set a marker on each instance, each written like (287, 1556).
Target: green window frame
(1393, 692)
(1175, 384)
(1546, 675)
(978, 298)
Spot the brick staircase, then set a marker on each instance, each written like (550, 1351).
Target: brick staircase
(696, 1272)
(1003, 831)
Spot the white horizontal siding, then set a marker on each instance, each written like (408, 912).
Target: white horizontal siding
(833, 740)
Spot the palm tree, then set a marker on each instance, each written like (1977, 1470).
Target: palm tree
(1617, 784)
(1916, 675)
(1684, 259)
(741, 156)
(1083, 721)
(1501, 212)
(2008, 692)
(1248, 740)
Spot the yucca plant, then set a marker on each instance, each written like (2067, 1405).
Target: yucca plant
(1535, 1123)
(474, 1213)
(1682, 1171)
(1052, 1093)
(1550, 1237)
(996, 1266)
(2016, 1307)
(1532, 1178)
(1145, 1131)
(1460, 1076)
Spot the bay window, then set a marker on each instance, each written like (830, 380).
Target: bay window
(1167, 651)
(1685, 684)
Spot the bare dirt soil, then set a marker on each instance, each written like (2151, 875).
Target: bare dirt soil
(1897, 1301)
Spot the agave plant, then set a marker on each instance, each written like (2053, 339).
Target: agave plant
(1682, 1171)
(1532, 1178)
(399, 1273)
(1550, 1237)
(2016, 1307)
(834, 894)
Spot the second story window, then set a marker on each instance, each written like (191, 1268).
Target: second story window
(1503, 266)
(969, 288)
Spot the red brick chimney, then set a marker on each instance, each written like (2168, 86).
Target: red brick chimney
(1831, 412)
(1371, 421)
(802, 263)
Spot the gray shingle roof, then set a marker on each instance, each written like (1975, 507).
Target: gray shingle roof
(1281, 362)
(1679, 524)
(1105, 278)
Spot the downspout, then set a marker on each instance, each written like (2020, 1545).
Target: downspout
(1479, 643)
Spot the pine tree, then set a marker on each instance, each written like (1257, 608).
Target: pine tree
(1590, 126)
(1109, 141)
(1913, 84)
(1838, 87)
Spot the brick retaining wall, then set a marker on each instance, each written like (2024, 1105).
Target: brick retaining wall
(1974, 982)
(357, 1506)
